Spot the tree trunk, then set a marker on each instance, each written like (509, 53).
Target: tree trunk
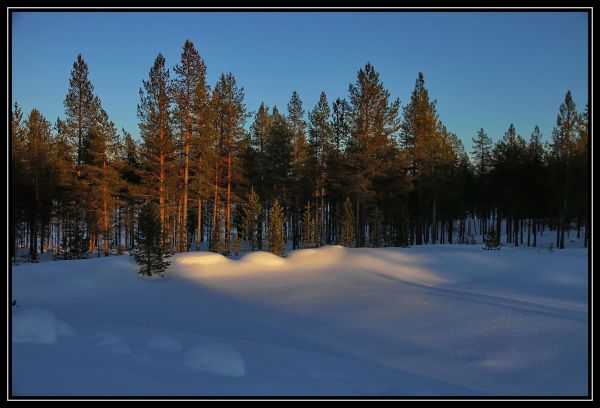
(199, 228)
(183, 240)
(228, 222)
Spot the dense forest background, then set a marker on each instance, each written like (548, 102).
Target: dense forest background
(361, 171)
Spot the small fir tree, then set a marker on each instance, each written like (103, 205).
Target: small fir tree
(492, 240)
(151, 255)
(275, 231)
(308, 228)
(251, 218)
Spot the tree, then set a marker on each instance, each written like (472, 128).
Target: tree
(81, 106)
(276, 231)
(151, 255)
(37, 178)
(421, 138)
(562, 150)
(321, 146)
(229, 117)
(298, 177)
(101, 176)
(251, 216)
(371, 147)
(190, 95)
(347, 225)
(154, 113)
(308, 228)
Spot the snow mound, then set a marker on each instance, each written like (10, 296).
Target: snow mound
(38, 325)
(109, 341)
(262, 258)
(164, 344)
(215, 358)
(105, 339)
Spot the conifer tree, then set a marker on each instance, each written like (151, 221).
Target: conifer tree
(101, 175)
(190, 95)
(276, 231)
(298, 176)
(252, 211)
(308, 227)
(347, 225)
(370, 150)
(419, 138)
(81, 106)
(154, 113)
(321, 146)
(151, 254)
(229, 119)
(562, 150)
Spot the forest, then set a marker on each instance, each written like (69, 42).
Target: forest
(359, 171)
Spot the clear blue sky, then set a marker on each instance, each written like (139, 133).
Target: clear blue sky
(484, 69)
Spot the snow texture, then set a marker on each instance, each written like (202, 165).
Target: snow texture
(38, 325)
(437, 320)
(215, 358)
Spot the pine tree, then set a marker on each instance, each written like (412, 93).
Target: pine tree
(279, 156)
(151, 254)
(275, 230)
(252, 211)
(562, 151)
(371, 147)
(229, 119)
(190, 95)
(154, 113)
(347, 225)
(429, 149)
(298, 176)
(81, 106)
(101, 175)
(38, 178)
(321, 146)
(308, 228)
(482, 152)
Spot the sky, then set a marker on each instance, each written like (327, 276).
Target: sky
(485, 69)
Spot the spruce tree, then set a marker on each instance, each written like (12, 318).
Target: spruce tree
(151, 254)
(275, 230)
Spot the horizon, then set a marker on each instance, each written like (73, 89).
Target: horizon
(475, 87)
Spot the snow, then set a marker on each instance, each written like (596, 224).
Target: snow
(423, 321)
(215, 358)
(38, 325)
(164, 344)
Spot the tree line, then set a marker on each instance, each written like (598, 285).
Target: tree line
(359, 171)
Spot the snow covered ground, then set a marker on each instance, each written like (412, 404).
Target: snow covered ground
(438, 320)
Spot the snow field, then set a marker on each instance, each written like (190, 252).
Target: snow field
(433, 320)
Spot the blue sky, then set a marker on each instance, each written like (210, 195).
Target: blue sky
(484, 69)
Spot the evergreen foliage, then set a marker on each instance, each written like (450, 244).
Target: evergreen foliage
(275, 230)
(151, 255)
